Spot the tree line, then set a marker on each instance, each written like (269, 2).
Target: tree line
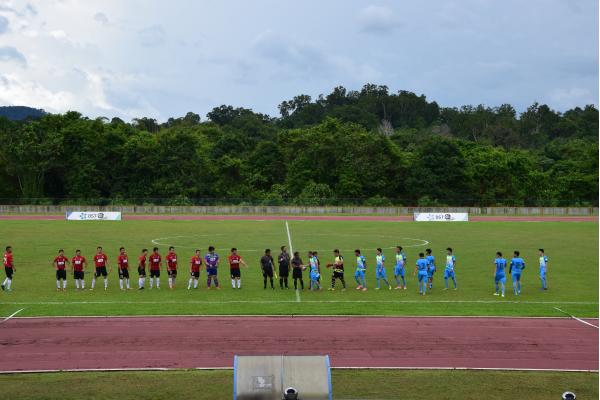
(367, 147)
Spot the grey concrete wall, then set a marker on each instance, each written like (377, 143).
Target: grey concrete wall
(298, 210)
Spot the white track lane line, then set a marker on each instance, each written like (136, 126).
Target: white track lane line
(575, 318)
(12, 315)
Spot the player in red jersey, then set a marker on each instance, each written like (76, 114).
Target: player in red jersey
(155, 263)
(123, 264)
(9, 269)
(142, 269)
(78, 264)
(100, 262)
(60, 263)
(196, 263)
(234, 268)
(171, 266)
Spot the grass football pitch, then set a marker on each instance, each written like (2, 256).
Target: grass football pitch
(572, 249)
(347, 384)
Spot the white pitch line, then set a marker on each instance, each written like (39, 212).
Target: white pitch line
(12, 315)
(575, 318)
(274, 302)
(287, 228)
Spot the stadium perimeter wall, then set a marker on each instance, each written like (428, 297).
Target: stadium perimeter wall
(299, 210)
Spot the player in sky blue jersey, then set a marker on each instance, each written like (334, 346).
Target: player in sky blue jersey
(421, 269)
(380, 269)
(400, 268)
(431, 270)
(361, 268)
(315, 274)
(449, 271)
(517, 265)
(543, 269)
(500, 274)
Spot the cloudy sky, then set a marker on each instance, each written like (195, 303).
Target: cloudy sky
(133, 58)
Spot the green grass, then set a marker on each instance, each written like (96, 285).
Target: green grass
(571, 247)
(347, 384)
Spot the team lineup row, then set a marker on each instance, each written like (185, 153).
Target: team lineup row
(425, 268)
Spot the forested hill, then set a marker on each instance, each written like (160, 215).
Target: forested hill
(368, 147)
(18, 113)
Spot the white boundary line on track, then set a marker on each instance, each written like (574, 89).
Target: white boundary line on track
(12, 315)
(576, 319)
(33, 371)
(298, 316)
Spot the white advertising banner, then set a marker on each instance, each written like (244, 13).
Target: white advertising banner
(441, 217)
(93, 216)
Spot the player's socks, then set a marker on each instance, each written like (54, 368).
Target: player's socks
(5, 282)
(233, 283)
(446, 282)
(8, 284)
(76, 283)
(190, 283)
(105, 283)
(127, 283)
(64, 284)
(93, 282)
(272, 286)
(151, 282)
(239, 283)
(170, 283)
(158, 283)
(82, 283)
(121, 283)
(502, 289)
(58, 284)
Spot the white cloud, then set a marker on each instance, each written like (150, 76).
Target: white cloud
(9, 53)
(377, 19)
(15, 91)
(3, 24)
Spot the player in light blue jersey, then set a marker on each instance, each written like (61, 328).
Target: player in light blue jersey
(500, 274)
(361, 268)
(421, 269)
(380, 269)
(400, 268)
(449, 271)
(315, 274)
(431, 270)
(517, 265)
(543, 269)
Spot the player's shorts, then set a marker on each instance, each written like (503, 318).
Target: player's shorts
(315, 276)
(399, 271)
(172, 273)
(448, 274)
(500, 278)
(380, 274)
(516, 277)
(9, 272)
(124, 273)
(297, 273)
(360, 273)
(155, 273)
(284, 272)
(430, 272)
(338, 275)
(77, 274)
(61, 274)
(100, 271)
(235, 273)
(195, 274)
(141, 271)
(267, 272)
(422, 276)
(211, 271)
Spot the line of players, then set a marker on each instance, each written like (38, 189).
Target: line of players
(425, 269)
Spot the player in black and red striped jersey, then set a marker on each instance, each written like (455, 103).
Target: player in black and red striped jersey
(78, 264)
(60, 263)
(100, 262)
(155, 262)
(142, 269)
(195, 264)
(9, 269)
(123, 264)
(234, 268)
(171, 266)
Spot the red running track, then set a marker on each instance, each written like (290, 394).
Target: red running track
(384, 218)
(211, 342)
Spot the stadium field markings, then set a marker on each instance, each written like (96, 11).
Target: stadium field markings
(575, 318)
(287, 229)
(294, 316)
(293, 301)
(12, 315)
(149, 369)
